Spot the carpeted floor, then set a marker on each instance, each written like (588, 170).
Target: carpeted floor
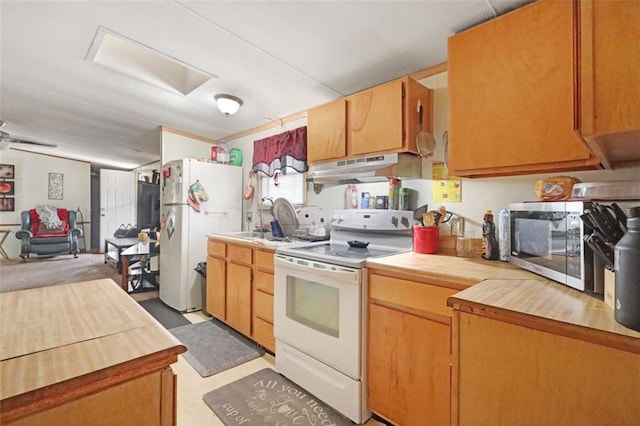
(48, 271)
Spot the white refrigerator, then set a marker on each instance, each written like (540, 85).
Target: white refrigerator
(198, 198)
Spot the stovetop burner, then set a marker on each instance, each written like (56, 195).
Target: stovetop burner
(343, 250)
(378, 232)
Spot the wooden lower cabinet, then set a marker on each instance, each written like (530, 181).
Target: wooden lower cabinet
(263, 300)
(409, 351)
(511, 374)
(216, 287)
(240, 289)
(153, 404)
(239, 297)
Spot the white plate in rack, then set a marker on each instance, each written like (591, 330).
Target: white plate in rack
(285, 214)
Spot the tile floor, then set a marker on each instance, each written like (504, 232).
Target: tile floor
(192, 411)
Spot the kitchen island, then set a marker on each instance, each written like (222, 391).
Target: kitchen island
(511, 345)
(84, 353)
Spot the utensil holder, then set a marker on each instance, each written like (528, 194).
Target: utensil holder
(426, 239)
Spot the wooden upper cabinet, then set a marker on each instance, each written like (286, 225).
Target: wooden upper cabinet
(326, 131)
(609, 96)
(382, 119)
(511, 95)
(375, 119)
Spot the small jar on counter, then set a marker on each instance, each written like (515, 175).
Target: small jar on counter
(364, 200)
(403, 203)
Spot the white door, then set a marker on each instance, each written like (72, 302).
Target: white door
(117, 201)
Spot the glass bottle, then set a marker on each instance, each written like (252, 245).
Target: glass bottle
(490, 249)
(223, 152)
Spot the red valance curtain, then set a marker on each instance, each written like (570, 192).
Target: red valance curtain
(287, 149)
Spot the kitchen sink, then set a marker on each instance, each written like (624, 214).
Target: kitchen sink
(266, 240)
(243, 235)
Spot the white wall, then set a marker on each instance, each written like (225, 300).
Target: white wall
(174, 146)
(31, 188)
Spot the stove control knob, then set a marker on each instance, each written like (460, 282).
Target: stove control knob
(405, 221)
(394, 221)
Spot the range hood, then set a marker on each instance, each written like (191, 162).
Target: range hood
(377, 168)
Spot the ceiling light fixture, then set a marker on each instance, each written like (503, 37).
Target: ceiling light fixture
(228, 104)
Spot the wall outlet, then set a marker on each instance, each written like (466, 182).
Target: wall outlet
(249, 216)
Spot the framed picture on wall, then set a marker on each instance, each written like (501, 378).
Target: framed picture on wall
(7, 171)
(55, 186)
(7, 204)
(7, 188)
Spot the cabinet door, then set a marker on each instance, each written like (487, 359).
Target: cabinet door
(610, 81)
(216, 287)
(408, 368)
(524, 376)
(375, 119)
(511, 94)
(239, 297)
(326, 131)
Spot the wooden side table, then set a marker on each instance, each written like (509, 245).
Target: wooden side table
(113, 248)
(5, 234)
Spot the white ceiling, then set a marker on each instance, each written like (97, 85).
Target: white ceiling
(280, 58)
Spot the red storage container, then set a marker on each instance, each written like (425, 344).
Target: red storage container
(425, 239)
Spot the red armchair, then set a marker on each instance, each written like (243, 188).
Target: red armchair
(39, 240)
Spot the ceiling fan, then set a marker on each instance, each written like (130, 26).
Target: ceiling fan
(5, 138)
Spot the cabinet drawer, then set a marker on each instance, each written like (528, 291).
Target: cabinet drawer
(263, 306)
(264, 282)
(216, 248)
(263, 334)
(240, 254)
(411, 294)
(264, 260)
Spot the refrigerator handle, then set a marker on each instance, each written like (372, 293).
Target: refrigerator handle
(224, 213)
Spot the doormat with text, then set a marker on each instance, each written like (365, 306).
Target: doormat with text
(267, 398)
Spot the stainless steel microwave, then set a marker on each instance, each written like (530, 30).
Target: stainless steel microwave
(547, 238)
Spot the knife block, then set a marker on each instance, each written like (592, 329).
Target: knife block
(610, 288)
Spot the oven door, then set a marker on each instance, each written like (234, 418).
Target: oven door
(318, 311)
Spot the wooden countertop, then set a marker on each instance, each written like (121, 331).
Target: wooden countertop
(242, 241)
(504, 291)
(449, 271)
(54, 339)
(548, 306)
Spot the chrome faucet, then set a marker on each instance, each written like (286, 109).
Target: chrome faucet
(262, 201)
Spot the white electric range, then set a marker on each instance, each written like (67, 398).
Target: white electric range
(320, 305)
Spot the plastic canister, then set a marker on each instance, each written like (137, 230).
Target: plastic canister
(351, 197)
(394, 193)
(223, 152)
(504, 239)
(364, 200)
(627, 271)
(403, 203)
